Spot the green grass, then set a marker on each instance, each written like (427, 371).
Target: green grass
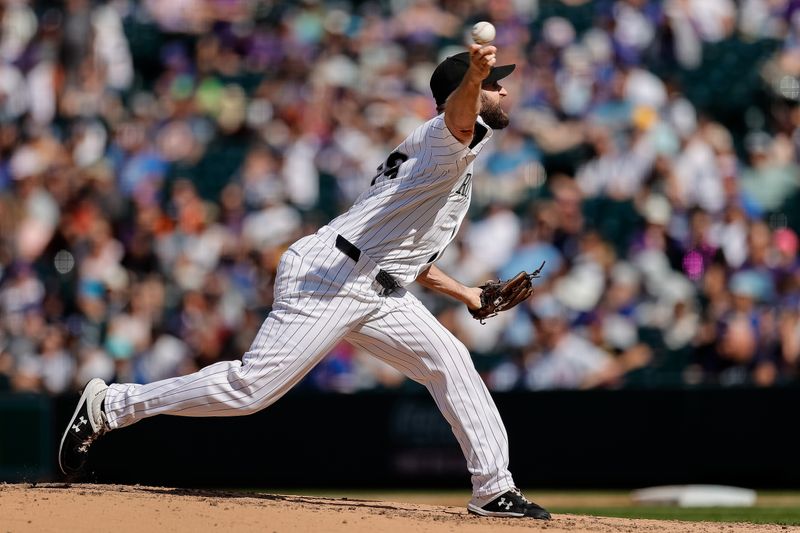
(787, 516)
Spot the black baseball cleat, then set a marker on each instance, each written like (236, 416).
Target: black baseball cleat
(510, 504)
(88, 423)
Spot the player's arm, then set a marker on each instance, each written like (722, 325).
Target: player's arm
(463, 105)
(433, 278)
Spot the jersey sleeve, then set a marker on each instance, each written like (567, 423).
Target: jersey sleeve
(443, 145)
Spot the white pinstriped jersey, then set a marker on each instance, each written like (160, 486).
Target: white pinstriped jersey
(417, 201)
(403, 221)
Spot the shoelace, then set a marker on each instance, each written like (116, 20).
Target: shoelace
(518, 492)
(84, 447)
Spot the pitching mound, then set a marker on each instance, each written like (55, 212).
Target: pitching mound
(122, 509)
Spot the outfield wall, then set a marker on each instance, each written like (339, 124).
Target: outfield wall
(585, 439)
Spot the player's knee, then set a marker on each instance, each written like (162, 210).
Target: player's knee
(254, 402)
(434, 376)
(245, 382)
(252, 408)
(254, 389)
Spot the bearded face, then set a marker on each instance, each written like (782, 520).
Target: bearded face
(492, 114)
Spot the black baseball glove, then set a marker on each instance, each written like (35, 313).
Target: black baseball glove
(497, 296)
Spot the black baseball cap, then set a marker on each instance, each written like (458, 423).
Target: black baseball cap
(448, 75)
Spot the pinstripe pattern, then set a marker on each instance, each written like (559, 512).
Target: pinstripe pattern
(408, 337)
(400, 224)
(402, 221)
(313, 291)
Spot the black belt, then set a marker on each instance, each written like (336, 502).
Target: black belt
(385, 279)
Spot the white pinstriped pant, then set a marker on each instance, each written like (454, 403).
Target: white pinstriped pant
(321, 297)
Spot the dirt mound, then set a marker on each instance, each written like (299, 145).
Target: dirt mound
(122, 509)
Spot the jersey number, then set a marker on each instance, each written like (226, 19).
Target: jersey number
(391, 167)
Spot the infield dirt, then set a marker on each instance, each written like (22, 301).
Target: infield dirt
(102, 508)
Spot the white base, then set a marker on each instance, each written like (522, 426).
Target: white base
(695, 496)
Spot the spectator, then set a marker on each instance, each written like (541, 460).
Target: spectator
(561, 358)
(155, 158)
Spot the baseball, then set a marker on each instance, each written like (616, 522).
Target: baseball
(483, 33)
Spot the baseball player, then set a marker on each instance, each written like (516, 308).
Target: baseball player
(348, 281)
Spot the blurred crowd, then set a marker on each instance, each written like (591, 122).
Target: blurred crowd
(156, 158)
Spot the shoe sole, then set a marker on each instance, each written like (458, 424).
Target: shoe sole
(474, 509)
(84, 397)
